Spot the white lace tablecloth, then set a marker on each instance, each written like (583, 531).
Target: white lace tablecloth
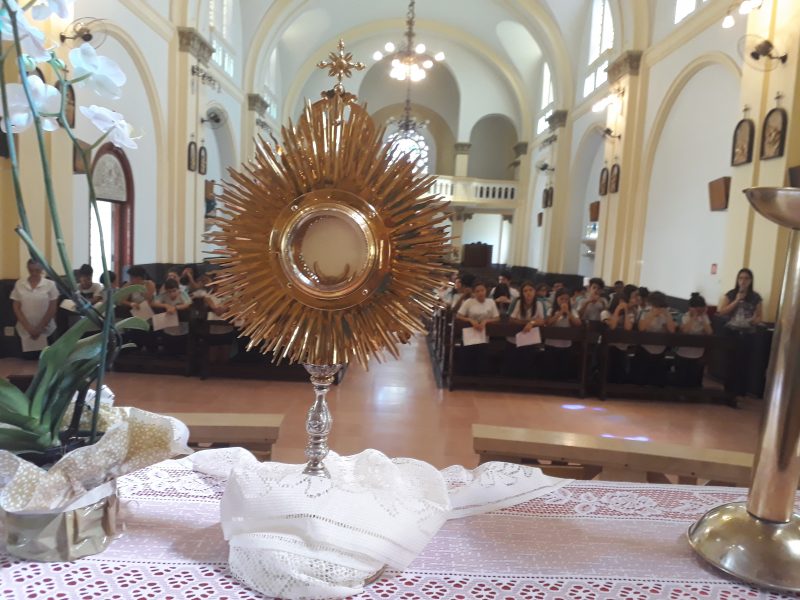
(588, 540)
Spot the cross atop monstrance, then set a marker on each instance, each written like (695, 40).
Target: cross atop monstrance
(340, 64)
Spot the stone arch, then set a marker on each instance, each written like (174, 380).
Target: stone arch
(491, 152)
(662, 114)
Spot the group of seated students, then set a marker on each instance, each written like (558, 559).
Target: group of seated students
(475, 304)
(176, 295)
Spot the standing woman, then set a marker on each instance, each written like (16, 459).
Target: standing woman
(742, 307)
(35, 303)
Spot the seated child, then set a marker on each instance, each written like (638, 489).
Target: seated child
(91, 290)
(650, 368)
(689, 362)
(559, 359)
(172, 300)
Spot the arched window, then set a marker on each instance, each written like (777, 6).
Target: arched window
(113, 182)
(546, 106)
(220, 13)
(601, 42)
(412, 145)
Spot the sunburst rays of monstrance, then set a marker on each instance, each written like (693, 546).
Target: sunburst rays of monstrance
(330, 245)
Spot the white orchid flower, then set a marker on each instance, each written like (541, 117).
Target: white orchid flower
(105, 76)
(46, 99)
(60, 8)
(113, 123)
(31, 39)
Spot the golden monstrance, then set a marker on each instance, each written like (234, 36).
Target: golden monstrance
(331, 245)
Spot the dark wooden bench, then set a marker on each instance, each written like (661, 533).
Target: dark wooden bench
(581, 337)
(668, 392)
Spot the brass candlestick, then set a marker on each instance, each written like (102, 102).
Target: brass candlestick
(759, 541)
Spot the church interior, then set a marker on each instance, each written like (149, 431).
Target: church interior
(600, 147)
(573, 139)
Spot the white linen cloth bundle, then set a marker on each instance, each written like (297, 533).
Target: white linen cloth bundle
(297, 536)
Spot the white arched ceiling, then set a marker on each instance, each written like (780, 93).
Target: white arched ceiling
(452, 20)
(438, 91)
(522, 48)
(483, 87)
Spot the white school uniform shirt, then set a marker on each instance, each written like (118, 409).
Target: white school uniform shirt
(657, 325)
(562, 322)
(93, 291)
(594, 311)
(538, 314)
(479, 311)
(696, 327)
(183, 298)
(34, 303)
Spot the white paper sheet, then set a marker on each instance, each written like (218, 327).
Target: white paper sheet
(143, 312)
(530, 338)
(69, 305)
(474, 336)
(164, 320)
(212, 316)
(33, 345)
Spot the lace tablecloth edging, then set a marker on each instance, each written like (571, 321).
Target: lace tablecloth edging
(293, 535)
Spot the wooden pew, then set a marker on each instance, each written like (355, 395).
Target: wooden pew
(670, 340)
(256, 432)
(581, 337)
(582, 456)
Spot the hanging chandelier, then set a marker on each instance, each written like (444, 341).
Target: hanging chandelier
(407, 125)
(407, 141)
(412, 60)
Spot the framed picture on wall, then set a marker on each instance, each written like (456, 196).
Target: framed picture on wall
(539, 219)
(773, 134)
(594, 211)
(191, 156)
(613, 179)
(545, 194)
(603, 182)
(743, 135)
(202, 160)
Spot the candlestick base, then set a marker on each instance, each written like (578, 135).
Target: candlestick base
(761, 552)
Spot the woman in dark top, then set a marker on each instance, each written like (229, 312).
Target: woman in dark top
(742, 307)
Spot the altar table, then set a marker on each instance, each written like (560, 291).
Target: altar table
(588, 540)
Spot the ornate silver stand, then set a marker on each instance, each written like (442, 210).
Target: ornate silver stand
(319, 420)
(759, 541)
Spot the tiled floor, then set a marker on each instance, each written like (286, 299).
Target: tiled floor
(397, 408)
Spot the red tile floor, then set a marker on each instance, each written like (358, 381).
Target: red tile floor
(396, 407)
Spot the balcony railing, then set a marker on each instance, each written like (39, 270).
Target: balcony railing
(470, 190)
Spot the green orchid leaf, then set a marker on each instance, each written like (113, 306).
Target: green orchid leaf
(17, 440)
(12, 400)
(78, 377)
(132, 323)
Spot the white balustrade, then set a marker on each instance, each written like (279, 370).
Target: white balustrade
(475, 191)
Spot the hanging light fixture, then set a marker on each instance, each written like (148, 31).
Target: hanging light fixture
(410, 61)
(743, 7)
(408, 140)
